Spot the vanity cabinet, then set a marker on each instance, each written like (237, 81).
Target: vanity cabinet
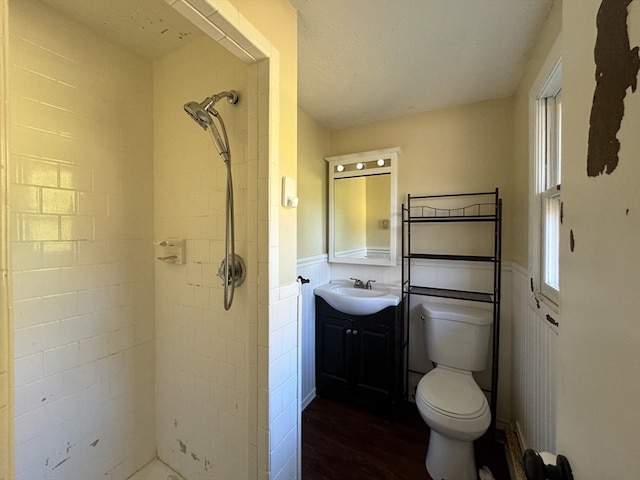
(359, 358)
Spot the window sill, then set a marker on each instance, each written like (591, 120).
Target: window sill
(546, 310)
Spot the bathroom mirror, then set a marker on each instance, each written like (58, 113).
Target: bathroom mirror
(363, 217)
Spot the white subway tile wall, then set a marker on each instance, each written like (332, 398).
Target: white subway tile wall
(6, 420)
(81, 199)
(204, 366)
(117, 358)
(283, 382)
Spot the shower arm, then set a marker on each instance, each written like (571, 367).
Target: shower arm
(231, 96)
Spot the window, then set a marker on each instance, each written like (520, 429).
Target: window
(547, 199)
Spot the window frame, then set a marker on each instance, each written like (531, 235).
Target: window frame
(546, 116)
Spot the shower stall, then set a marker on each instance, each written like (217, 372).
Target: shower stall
(120, 356)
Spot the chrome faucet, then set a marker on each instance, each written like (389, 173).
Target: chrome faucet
(357, 283)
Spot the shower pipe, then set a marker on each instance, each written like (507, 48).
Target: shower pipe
(232, 270)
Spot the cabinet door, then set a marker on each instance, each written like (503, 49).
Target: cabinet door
(333, 338)
(373, 360)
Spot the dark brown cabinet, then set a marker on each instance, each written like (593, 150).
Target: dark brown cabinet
(359, 358)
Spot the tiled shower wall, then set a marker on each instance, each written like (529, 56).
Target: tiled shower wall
(81, 240)
(6, 420)
(204, 353)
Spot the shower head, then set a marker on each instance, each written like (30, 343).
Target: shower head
(200, 111)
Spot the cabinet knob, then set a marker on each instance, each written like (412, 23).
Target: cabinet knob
(355, 332)
(348, 331)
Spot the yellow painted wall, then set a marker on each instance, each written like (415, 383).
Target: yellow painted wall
(277, 21)
(522, 158)
(313, 146)
(598, 425)
(461, 149)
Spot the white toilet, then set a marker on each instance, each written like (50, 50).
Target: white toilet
(448, 398)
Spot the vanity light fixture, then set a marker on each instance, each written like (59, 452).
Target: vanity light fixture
(360, 166)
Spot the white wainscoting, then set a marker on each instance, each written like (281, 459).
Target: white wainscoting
(534, 369)
(316, 270)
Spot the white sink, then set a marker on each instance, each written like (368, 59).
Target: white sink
(342, 296)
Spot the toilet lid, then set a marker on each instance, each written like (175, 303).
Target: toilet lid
(452, 393)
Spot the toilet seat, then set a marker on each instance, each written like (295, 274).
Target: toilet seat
(452, 393)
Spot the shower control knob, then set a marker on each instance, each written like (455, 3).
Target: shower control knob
(348, 331)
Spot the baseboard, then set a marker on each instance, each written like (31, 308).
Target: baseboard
(520, 437)
(307, 400)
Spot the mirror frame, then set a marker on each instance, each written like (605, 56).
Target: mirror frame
(366, 158)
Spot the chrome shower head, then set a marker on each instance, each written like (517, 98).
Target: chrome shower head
(200, 111)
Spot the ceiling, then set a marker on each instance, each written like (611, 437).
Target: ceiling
(361, 61)
(150, 28)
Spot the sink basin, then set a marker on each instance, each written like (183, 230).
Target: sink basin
(341, 295)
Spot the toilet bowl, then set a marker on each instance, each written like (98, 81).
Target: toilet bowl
(448, 398)
(457, 412)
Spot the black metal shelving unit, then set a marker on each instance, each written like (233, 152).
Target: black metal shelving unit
(461, 208)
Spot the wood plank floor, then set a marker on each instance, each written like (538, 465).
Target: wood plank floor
(342, 441)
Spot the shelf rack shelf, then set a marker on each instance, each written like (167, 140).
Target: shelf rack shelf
(420, 210)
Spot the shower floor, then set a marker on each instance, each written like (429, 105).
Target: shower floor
(156, 470)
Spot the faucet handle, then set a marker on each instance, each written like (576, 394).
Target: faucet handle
(369, 282)
(357, 282)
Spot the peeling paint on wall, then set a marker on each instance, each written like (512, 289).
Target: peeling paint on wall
(617, 68)
(572, 241)
(60, 463)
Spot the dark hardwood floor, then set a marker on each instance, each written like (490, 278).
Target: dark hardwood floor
(342, 441)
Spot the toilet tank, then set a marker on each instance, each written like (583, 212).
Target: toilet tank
(457, 336)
